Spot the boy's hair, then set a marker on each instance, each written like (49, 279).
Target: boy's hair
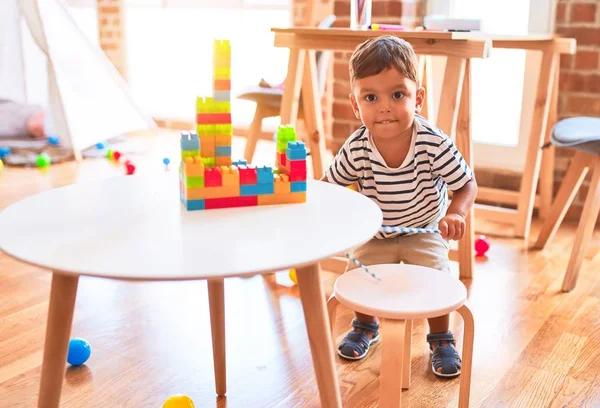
(378, 54)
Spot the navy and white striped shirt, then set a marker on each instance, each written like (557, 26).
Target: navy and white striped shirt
(412, 195)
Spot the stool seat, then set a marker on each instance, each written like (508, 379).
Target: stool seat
(580, 133)
(404, 292)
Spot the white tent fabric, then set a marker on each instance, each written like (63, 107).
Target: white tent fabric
(87, 100)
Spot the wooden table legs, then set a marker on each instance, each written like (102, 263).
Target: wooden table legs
(216, 301)
(58, 329)
(319, 335)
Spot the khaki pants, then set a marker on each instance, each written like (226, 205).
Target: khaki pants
(429, 250)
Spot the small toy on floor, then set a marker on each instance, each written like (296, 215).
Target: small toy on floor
(179, 401)
(43, 160)
(79, 351)
(482, 245)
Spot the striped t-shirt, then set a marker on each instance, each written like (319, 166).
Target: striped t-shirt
(412, 195)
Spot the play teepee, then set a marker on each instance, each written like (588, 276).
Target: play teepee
(45, 59)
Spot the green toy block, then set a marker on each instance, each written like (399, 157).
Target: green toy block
(209, 161)
(194, 182)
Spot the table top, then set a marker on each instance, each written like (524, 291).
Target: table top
(134, 227)
(404, 291)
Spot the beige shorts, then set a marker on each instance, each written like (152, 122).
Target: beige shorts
(429, 250)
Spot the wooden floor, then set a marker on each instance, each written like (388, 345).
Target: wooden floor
(534, 346)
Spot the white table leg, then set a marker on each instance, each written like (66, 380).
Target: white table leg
(58, 329)
(319, 335)
(216, 300)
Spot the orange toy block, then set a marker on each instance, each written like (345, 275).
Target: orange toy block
(230, 175)
(213, 118)
(193, 166)
(281, 184)
(289, 198)
(223, 161)
(222, 140)
(213, 192)
(208, 149)
(222, 85)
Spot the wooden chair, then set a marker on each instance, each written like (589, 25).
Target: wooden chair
(268, 99)
(403, 294)
(583, 135)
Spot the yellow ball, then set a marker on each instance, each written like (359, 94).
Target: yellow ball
(179, 401)
(293, 277)
(1, 165)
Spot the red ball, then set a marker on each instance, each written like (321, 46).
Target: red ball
(130, 169)
(116, 155)
(481, 245)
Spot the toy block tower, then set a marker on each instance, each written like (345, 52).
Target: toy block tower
(208, 178)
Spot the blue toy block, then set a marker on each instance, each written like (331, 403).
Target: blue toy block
(189, 141)
(296, 151)
(192, 205)
(264, 175)
(240, 162)
(222, 95)
(256, 189)
(297, 186)
(223, 151)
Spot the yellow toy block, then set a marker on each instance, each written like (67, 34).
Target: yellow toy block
(213, 192)
(289, 198)
(281, 184)
(222, 73)
(209, 105)
(223, 161)
(193, 167)
(222, 140)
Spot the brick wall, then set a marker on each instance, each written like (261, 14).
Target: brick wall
(579, 89)
(111, 30)
(406, 12)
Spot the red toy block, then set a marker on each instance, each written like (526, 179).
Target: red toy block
(213, 118)
(230, 202)
(248, 174)
(222, 85)
(299, 176)
(213, 177)
(297, 166)
(281, 159)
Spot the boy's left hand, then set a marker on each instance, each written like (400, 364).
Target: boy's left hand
(452, 226)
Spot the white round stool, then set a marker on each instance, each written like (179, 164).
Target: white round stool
(404, 293)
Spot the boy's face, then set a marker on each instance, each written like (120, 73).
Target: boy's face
(386, 103)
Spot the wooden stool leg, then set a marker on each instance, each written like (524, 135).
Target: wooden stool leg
(467, 356)
(58, 329)
(406, 372)
(332, 305)
(254, 133)
(216, 301)
(566, 194)
(585, 229)
(390, 380)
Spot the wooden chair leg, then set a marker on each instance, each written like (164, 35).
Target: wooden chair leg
(467, 356)
(332, 305)
(406, 360)
(390, 380)
(566, 194)
(254, 132)
(216, 301)
(585, 229)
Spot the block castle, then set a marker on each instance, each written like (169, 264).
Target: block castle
(209, 178)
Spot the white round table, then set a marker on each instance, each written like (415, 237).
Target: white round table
(134, 228)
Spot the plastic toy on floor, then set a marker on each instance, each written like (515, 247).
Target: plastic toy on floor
(210, 179)
(79, 351)
(179, 401)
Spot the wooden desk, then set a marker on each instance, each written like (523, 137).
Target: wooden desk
(454, 109)
(539, 163)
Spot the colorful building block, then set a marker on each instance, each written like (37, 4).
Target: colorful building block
(210, 179)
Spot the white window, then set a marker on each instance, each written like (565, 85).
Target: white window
(503, 86)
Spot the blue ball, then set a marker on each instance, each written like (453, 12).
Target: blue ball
(166, 161)
(4, 151)
(79, 351)
(53, 140)
(100, 146)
